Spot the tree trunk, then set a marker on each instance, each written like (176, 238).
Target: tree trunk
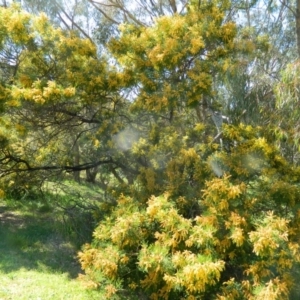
(117, 176)
(76, 174)
(298, 27)
(91, 175)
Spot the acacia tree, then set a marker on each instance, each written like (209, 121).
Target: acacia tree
(58, 93)
(204, 210)
(223, 223)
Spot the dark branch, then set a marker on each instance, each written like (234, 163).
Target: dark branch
(81, 118)
(28, 168)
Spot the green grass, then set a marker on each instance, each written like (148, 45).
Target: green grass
(92, 192)
(36, 261)
(32, 284)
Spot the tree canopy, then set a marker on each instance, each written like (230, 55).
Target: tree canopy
(186, 114)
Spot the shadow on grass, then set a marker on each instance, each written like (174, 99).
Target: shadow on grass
(31, 242)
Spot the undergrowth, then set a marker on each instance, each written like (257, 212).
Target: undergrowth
(39, 241)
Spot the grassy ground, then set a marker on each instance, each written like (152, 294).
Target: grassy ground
(36, 261)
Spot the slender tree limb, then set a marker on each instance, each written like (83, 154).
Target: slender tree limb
(103, 12)
(218, 136)
(28, 168)
(284, 3)
(74, 23)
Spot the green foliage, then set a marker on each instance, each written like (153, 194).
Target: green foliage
(242, 243)
(60, 101)
(287, 98)
(194, 208)
(173, 61)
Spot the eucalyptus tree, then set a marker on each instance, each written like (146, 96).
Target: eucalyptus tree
(267, 29)
(138, 12)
